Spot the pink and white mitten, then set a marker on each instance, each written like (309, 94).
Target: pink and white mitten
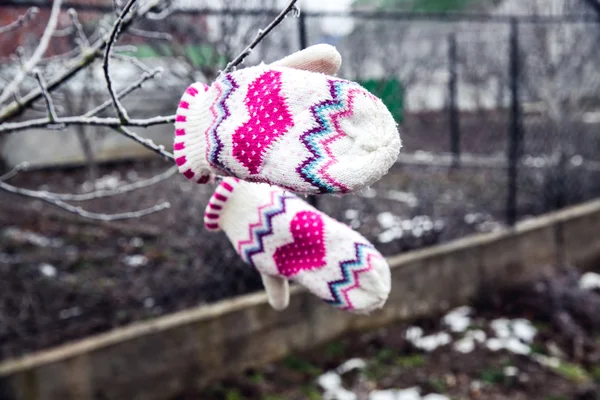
(283, 237)
(290, 124)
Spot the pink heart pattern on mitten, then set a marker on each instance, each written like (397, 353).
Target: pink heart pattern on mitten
(307, 251)
(269, 119)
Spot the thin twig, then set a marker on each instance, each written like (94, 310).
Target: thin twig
(110, 122)
(123, 93)
(147, 143)
(149, 34)
(120, 110)
(132, 60)
(83, 40)
(262, 33)
(49, 103)
(20, 21)
(40, 195)
(116, 191)
(18, 168)
(63, 32)
(37, 54)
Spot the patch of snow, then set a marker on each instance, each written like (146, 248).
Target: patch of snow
(501, 327)
(387, 220)
(458, 319)
(577, 160)
(369, 193)
(396, 227)
(70, 312)
(403, 197)
(352, 364)
(464, 345)
(106, 182)
(546, 361)
(48, 270)
(20, 236)
(339, 394)
(136, 242)
(511, 344)
(476, 385)
(519, 329)
(494, 344)
(467, 343)
(132, 175)
(413, 393)
(511, 370)
(390, 235)
(421, 155)
(523, 329)
(589, 281)
(329, 381)
(413, 333)
(435, 396)
(149, 302)
(351, 214)
(432, 342)
(478, 335)
(137, 260)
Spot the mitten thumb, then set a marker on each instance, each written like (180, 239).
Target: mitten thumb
(322, 58)
(278, 291)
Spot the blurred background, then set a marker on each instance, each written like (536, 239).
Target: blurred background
(497, 101)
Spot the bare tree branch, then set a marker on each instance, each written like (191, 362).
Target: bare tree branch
(81, 38)
(21, 21)
(149, 34)
(49, 104)
(86, 57)
(116, 191)
(119, 109)
(123, 93)
(147, 143)
(81, 120)
(41, 195)
(262, 33)
(88, 52)
(37, 54)
(20, 167)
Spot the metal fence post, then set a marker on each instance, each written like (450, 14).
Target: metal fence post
(515, 129)
(453, 100)
(303, 39)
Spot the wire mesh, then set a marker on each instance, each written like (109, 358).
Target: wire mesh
(62, 278)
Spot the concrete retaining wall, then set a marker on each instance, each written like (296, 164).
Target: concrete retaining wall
(163, 357)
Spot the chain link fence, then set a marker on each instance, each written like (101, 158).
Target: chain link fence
(499, 119)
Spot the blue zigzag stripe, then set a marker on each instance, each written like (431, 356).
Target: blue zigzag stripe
(220, 105)
(322, 114)
(260, 232)
(348, 267)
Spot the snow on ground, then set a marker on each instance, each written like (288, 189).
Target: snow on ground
(396, 227)
(589, 281)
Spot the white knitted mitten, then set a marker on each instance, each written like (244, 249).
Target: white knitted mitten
(283, 237)
(291, 124)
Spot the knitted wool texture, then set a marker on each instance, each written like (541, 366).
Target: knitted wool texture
(281, 235)
(304, 131)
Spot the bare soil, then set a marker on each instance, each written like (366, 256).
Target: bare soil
(393, 361)
(81, 277)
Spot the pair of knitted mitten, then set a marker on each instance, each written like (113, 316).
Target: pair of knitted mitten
(291, 124)
(285, 238)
